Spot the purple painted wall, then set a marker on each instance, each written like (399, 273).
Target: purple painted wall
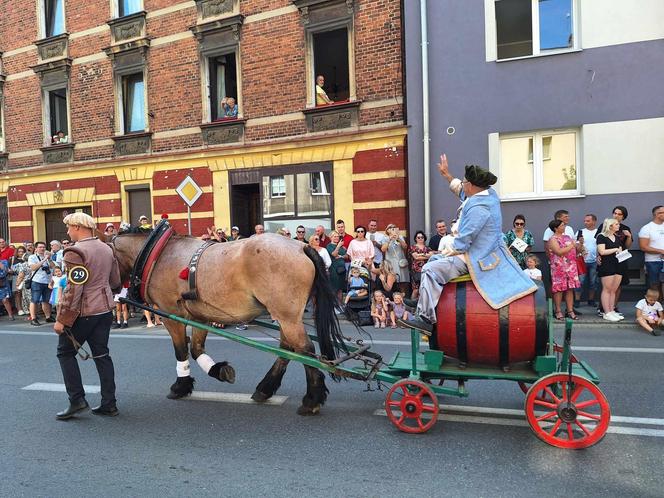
(476, 97)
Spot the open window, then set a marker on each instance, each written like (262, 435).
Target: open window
(52, 14)
(330, 51)
(222, 87)
(56, 112)
(319, 183)
(534, 27)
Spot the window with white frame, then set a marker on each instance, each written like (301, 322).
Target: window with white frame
(330, 50)
(222, 87)
(277, 186)
(56, 113)
(539, 164)
(128, 7)
(53, 17)
(534, 27)
(132, 97)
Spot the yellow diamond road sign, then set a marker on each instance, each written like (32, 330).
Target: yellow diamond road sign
(189, 191)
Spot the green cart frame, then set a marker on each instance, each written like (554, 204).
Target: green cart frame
(563, 406)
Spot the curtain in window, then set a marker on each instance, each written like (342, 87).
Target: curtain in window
(134, 103)
(55, 17)
(127, 7)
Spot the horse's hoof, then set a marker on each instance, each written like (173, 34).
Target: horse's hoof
(223, 372)
(308, 410)
(259, 397)
(182, 387)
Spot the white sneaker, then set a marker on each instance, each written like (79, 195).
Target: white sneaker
(620, 316)
(610, 317)
(21, 313)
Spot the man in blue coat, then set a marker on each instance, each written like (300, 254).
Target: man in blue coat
(478, 248)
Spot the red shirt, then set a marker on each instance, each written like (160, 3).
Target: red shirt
(324, 241)
(347, 239)
(7, 253)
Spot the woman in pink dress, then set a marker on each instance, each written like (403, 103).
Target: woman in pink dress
(361, 248)
(564, 273)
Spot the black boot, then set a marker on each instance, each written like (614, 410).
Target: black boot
(108, 411)
(73, 409)
(420, 324)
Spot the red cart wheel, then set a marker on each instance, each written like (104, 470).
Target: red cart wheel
(576, 419)
(411, 406)
(556, 349)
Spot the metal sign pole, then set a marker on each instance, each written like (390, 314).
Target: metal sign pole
(189, 218)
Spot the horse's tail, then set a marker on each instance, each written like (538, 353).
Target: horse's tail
(330, 339)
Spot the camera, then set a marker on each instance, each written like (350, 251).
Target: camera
(46, 269)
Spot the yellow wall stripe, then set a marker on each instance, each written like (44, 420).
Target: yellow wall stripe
(379, 175)
(379, 204)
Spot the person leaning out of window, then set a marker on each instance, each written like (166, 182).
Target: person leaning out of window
(230, 107)
(321, 94)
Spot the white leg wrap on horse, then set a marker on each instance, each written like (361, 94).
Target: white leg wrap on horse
(183, 368)
(205, 362)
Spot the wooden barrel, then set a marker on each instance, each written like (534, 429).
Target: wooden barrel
(473, 332)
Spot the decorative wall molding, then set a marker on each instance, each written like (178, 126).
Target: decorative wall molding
(135, 143)
(332, 117)
(223, 132)
(53, 47)
(55, 154)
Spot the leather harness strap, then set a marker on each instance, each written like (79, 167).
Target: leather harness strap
(192, 293)
(147, 257)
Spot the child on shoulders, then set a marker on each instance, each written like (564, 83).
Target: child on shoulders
(649, 312)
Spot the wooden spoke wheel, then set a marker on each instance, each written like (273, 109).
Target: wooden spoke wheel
(411, 406)
(566, 414)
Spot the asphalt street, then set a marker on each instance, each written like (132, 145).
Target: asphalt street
(481, 445)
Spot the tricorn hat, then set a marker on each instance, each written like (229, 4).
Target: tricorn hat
(479, 176)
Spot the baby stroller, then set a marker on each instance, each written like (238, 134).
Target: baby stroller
(358, 308)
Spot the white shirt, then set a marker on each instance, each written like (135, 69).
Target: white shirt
(39, 276)
(326, 257)
(648, 310)
(534, 273)
(655, 233)
(381, 238)
(548, 233)
(590, 243)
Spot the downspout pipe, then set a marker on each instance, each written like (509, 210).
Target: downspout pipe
(425, 117)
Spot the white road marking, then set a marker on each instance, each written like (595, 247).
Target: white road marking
(445, 415)
(233, 398)
(58, 388)
(242, 398)
(379, 342)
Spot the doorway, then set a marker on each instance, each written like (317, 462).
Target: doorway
(55, 229)
(139, 202)
(246, 207)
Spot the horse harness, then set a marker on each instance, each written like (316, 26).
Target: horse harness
(148, 257)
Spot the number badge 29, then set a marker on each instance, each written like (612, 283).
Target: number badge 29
(78, 275)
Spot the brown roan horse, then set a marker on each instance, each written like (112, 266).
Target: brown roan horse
(237, 282)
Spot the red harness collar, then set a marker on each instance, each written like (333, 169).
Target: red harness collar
(152, 260)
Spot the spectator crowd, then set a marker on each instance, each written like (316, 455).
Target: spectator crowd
(383, 267)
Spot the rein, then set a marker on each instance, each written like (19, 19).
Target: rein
(85, 354)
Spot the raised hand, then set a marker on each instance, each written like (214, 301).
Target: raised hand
(444, 169)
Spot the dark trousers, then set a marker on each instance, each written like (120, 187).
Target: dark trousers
(95, 331)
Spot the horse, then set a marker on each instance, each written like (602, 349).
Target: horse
(237, 282)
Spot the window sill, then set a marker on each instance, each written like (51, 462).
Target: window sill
(545, 54)
(53, 47)
(58, 153)
(126, 28)
(335, 116)
(542, 198)
(133, 143)
(223, 131)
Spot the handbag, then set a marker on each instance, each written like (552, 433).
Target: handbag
(27, 283)
(581, 265)
(403, 263)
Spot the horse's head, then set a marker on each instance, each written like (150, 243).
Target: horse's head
(127, 246)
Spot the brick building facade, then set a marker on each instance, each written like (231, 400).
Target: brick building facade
(134, 88)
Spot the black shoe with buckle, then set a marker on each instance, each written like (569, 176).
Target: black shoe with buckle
(35, 322)
(107, 411)
(420, 324)
(50, 319)
(124, 325)
(73, 409)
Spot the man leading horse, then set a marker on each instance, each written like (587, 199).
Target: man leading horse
(477, 248)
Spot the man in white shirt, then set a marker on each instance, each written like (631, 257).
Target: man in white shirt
(563, 216)
(588, 234)
(651, 242)
(377, 239)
